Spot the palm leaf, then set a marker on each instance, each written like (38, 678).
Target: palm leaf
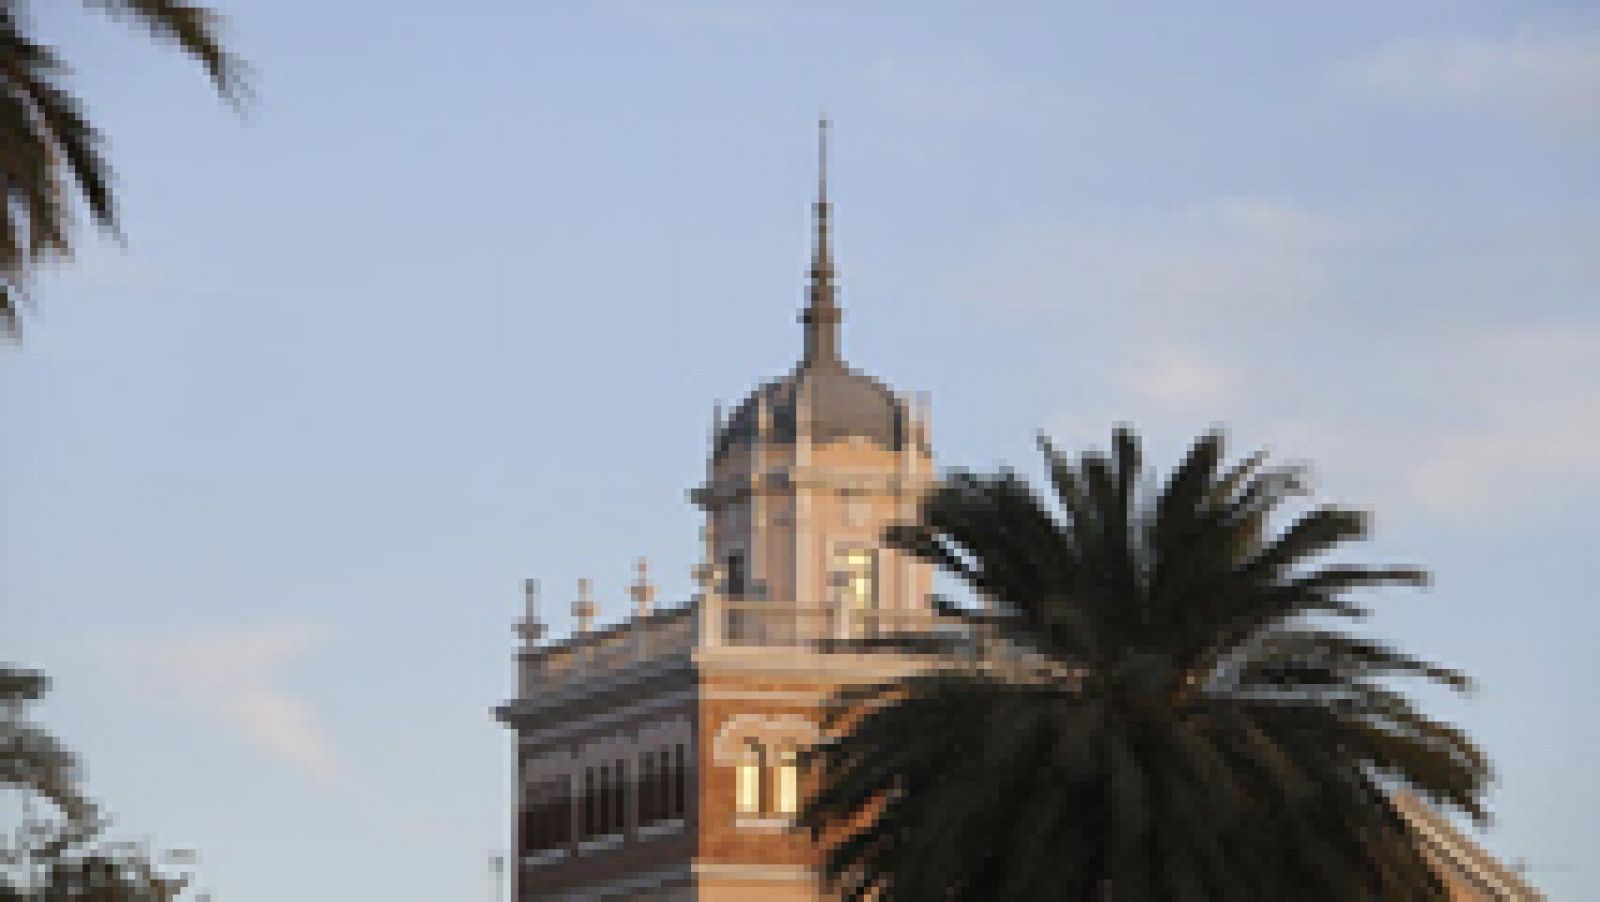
(1181, 725)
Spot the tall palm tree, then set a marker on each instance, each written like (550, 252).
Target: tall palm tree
(1171, 716)
(51, 154)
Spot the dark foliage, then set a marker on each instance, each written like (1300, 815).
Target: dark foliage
(57, 852)
(1169, 715)
(51, 154)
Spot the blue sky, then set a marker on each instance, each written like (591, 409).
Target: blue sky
(451, 305)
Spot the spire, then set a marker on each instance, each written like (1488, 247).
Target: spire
(530, 627)
(821, 316)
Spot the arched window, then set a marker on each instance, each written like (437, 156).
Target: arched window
(787, 790)
(747, 779)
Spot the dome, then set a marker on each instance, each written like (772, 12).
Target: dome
(844, 404)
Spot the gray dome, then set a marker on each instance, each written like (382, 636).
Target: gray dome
(844, 404)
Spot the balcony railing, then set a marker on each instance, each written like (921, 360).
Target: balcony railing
(769, 623)
(742, 624)
(613, 649)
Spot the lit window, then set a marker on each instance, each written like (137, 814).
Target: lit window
(747, 789)
(854, 577)
(788, 789)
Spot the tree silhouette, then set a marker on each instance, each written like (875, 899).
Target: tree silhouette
(1170, 714)
(57, 851)
(50, 153)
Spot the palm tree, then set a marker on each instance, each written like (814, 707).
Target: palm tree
(49, 150)
(1169, 713)
(57, 851)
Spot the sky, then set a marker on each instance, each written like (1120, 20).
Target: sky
(450, 304)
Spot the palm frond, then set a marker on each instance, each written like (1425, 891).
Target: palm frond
(1186, 730)
(52, 154)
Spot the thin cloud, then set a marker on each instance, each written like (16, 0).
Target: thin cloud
(1171, 269)
(237, 680)
(1550, 76)
(1417, 376)
(1179, 378)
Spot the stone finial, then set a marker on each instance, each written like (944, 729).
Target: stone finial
(530, 627)
(708, 577)
(641, 590)
(583, 609)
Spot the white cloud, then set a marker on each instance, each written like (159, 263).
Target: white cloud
(1507, 416)
(236, 679)
(1179, 378)
(1173, 269)
(1416, 377)
(1553, 76)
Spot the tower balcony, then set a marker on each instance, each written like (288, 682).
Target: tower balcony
(669, 639)
(832, 628)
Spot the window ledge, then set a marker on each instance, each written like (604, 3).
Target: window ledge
(601, 843)
(660, 828)
(772, 823)
(547, 856)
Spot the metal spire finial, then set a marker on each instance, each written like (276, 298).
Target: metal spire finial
(821, 316)
(822, 159)
(530, 627)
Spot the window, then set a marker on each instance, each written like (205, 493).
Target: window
(589, 826)
(747, 779)
(619, 796)
(610, 795)
(736, 575)
(650, 807)
(547, 815)
(661, 785)
(788, 788)
(679, 783)
(854, 578)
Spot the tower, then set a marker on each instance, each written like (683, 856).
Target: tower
(656, 757)
(802, 479)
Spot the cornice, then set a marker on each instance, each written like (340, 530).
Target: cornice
(884, 481)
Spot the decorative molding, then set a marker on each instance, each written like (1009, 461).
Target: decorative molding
(604, 719)
(658, 879)
(766, 695)
(777, 730)
(557, 763)
(782, 873)
(763, 824)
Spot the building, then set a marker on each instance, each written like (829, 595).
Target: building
(656, 757)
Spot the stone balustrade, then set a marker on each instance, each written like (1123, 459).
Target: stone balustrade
(745, 624)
